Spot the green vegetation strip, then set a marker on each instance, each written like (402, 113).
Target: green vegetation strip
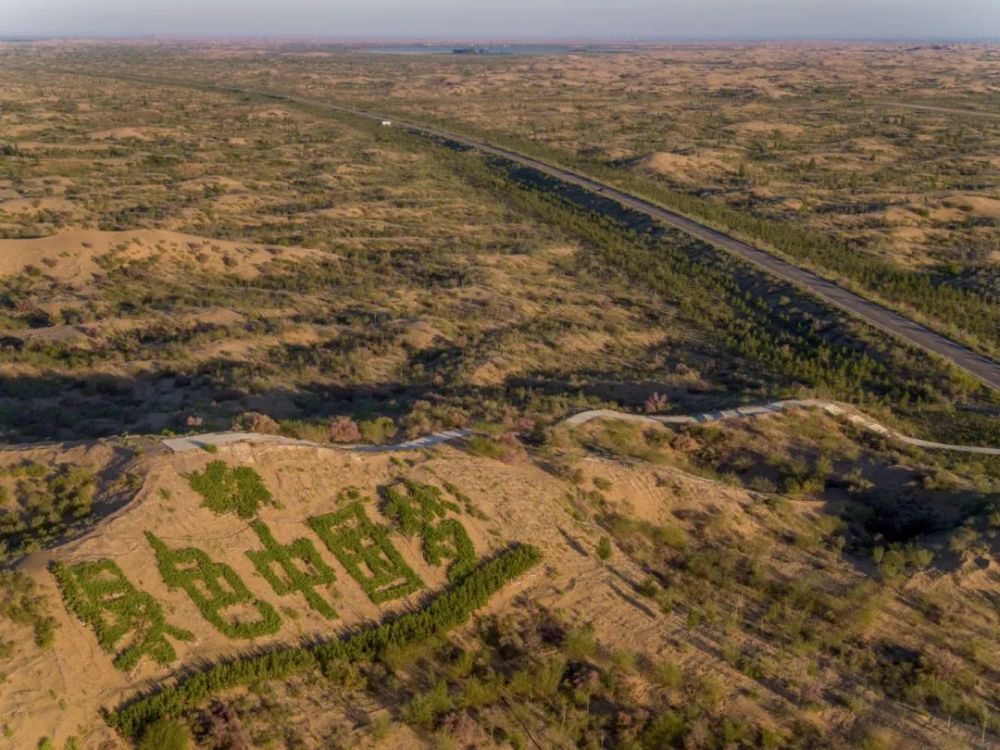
(446, 611)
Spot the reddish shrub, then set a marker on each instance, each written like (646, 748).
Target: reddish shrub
(344, 430)
(254, 421)
(513, 452)
(656, 402)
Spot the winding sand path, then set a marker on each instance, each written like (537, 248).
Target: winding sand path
(841, 411)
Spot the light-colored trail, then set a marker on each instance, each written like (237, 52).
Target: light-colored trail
(942, 110)
(841, 411)
(218, 439)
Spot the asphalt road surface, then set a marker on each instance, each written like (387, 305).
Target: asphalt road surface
(943, 110)
(980, 367)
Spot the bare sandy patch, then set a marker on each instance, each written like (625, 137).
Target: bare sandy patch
(981, 205)
(420, 334)
(30, 205)
(130, 133)
(761, 127)
(71, 257)
(682, 167)
(269, 114)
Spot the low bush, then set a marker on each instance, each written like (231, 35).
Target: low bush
(20, 603)
(604, 548)
(237, 490)
(253, 421)
(364, 549)
(165, 734)
(378, 431)
(213, 587)
(93, 590)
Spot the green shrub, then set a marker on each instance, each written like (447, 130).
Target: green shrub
(364, 549)
(378, 431)
(213, 587)
(604, 548)
(648, 588)
(666, 730)
(423, 710)
(672, 536)
(485, 446)
(667, 675)
(96, 589)
(579, 643)
(238, 490)
(165, 734)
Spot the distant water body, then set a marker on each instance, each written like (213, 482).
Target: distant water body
(477, 51)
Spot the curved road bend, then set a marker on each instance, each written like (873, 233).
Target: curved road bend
(983, 369)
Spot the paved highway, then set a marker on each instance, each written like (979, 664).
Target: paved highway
(942, 110)
(978, 366)
(983, 369)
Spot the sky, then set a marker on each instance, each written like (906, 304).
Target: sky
(497, 19)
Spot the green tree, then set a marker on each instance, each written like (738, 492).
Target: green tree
(604, 548)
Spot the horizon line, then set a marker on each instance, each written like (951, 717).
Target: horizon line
(392, 39)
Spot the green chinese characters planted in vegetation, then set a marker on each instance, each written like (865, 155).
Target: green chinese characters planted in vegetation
(102, 597)
(364, 549)
(295, 579)
(215, 588)
(421, 509)
(238, 490)
(444, 612)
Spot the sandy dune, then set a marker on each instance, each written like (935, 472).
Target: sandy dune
(71, 257)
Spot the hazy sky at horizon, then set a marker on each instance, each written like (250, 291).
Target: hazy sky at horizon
(740, 19)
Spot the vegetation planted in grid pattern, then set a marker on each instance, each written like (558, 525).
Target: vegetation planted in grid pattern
(421, 509)
(447, 610)
(215, 587)
(238, 490)
(102, 597)
(363, 548)
(293, 578)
